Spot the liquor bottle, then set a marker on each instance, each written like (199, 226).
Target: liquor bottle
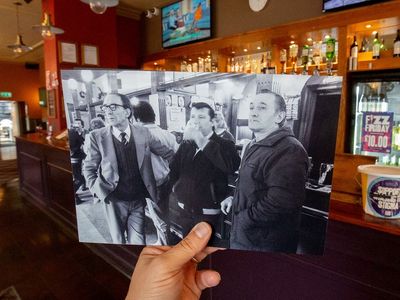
(376, 47)
(363, 103)
(233, 64)
(293, 49)
(383, 101)
(262, 64)
(304, 58)
(247, 64)
(383, 47)
(282, 60)
(354, 48)
(330, 48)
(373, 102)
(396, 45)
(237, 67)
(228, 65)
(364, 45)
(330, 53)
(201, 64)
(268, 60)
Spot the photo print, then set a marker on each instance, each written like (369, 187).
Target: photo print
(153, 153)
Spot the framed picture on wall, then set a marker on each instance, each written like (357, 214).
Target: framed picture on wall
(51, 103)
(90, 55)
(68, 52)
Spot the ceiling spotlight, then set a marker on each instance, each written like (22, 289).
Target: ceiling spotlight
(368, 26)
(19, 45)
(258, 47)
(245, 50)
(309, 39)
(46, 28)
(100, 6)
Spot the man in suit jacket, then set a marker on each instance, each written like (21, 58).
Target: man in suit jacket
(158, 208)
(118, 169)
(271, 188)
(200, 170)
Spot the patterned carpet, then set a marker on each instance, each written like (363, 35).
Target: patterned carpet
(8, 170)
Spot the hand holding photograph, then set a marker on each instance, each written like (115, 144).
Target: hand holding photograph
(252, 155)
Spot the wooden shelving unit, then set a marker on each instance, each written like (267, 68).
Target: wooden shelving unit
(383, 17)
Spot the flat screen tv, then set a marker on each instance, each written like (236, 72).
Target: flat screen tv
(185, 21)
(332, 5)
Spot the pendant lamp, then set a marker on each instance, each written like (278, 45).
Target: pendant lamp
(100, 6)
(19, 45)
(46, 28)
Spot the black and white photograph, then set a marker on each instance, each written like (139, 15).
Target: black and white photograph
(153, 153)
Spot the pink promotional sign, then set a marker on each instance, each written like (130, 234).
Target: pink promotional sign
(377, 132)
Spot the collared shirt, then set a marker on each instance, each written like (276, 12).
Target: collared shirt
(117, 133)
(208, 139)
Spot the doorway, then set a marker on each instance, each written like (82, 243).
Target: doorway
(9, 128)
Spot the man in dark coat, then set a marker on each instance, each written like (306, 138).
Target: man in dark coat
(270, 192)
(76, 141)
(200, 169)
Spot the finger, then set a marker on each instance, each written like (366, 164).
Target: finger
(228, 208)
(223, 209)
(203, 254)
(207, 278)
(154, 250)
(191, 245)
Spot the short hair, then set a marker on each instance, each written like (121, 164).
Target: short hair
(83, 123)
(200, 105)
(126, 103)
(280, 104)
(144, 112)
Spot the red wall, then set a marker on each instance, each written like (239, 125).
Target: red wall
(82, 26)
(117, 39)
(24, 85)
(128, 37)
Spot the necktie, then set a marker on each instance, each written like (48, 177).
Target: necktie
(123, 138)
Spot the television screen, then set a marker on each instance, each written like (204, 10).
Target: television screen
(341, 4)
(185, 21)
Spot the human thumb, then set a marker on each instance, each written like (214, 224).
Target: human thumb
(192, 244)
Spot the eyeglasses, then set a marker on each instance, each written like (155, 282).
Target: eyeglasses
(111, 107)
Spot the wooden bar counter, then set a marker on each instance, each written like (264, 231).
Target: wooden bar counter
(46, 180)
(360, 259)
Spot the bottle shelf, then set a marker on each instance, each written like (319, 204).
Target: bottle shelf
(386, 61)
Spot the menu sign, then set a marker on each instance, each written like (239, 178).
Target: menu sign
(377, 132)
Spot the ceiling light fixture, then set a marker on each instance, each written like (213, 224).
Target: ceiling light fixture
(100, 6)
(152, 12)
(46, 28)
(19, 45)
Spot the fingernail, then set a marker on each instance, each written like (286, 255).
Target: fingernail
(201, 230)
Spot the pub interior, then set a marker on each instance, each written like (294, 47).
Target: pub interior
(39, 96)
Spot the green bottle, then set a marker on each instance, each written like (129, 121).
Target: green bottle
(330, 48)
(376, 47)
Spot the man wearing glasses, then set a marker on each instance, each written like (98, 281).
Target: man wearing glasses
(118, 169)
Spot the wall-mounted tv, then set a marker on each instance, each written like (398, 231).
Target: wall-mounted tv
(185, 21)
(332, 5)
